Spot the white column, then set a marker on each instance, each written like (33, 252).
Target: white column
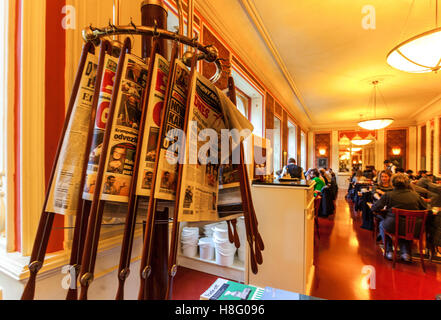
(419, 131)
(435, 168)
(379, 150)
(428, 146)
(413, 146)
(10, 141)
(311, 148)
(32, 119)
(334, 146)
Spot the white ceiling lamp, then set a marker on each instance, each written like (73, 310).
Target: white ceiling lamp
(375, 123)
(358, 141)
(419, 54)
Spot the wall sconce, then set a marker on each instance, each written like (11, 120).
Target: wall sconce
(396, 151)
(322, 151)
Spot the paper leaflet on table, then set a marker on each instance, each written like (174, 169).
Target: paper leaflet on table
(65, 187)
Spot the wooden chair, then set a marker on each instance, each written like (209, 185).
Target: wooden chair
(411, 217)
(317, 201)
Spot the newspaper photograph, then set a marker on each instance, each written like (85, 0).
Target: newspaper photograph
(166, 178)
(102, 112)
(151, 131)
(121, 153)
(200, 182)
(65, 188)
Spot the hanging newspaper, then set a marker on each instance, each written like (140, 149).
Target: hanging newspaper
(174, 122)
(200, 182)
(151, 131)
(105, 96)
(121, 152)
(65, 188)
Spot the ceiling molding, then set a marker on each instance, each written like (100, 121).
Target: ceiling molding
(212, 17)
(353, 125)
(253, 14)
(420, 112)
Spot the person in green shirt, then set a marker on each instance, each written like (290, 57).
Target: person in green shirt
(315, 176)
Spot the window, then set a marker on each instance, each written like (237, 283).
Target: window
(243, 103)
(303, 150)
(277, 144)
(292, 140)
(249, 101)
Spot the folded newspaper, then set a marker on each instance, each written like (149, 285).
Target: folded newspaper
(223, 289)
(209, 108)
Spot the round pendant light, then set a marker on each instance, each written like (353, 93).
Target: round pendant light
(419, 54)
(358, 141)
(375, 123)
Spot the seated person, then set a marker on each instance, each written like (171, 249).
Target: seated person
(433, 189)
(401, 197)
(293, 170)
(324, 176)
(383, 186)
(410, 175)
(359, 178)
(315, 176)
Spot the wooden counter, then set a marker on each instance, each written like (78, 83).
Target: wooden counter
(285, 212)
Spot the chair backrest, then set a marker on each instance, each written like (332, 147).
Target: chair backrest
(410, 220)
(317, 201)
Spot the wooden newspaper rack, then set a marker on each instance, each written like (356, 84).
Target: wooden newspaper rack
(89, 213)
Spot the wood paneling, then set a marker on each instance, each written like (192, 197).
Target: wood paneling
(423, 148)
(397, 138)
(284, 137)
(278, 110)
(322, 141)
(269, 112)
(209, 69)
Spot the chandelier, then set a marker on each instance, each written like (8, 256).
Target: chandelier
(419, 54)
(375, 123)
(358, 141)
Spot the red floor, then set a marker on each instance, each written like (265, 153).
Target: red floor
(343, 250)
(190, 284)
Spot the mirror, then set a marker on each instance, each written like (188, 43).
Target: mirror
(355, 152)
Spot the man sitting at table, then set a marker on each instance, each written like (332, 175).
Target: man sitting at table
(402, 197)
(433, 190)
(293, 170)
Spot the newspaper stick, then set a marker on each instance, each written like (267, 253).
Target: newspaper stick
(129, 230)
(249, 213)
(47, 218)
(145, 268)
(259, 241)
(97, 208)
(83, 206)
(175, 227)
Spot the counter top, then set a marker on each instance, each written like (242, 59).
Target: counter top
(276, 182)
